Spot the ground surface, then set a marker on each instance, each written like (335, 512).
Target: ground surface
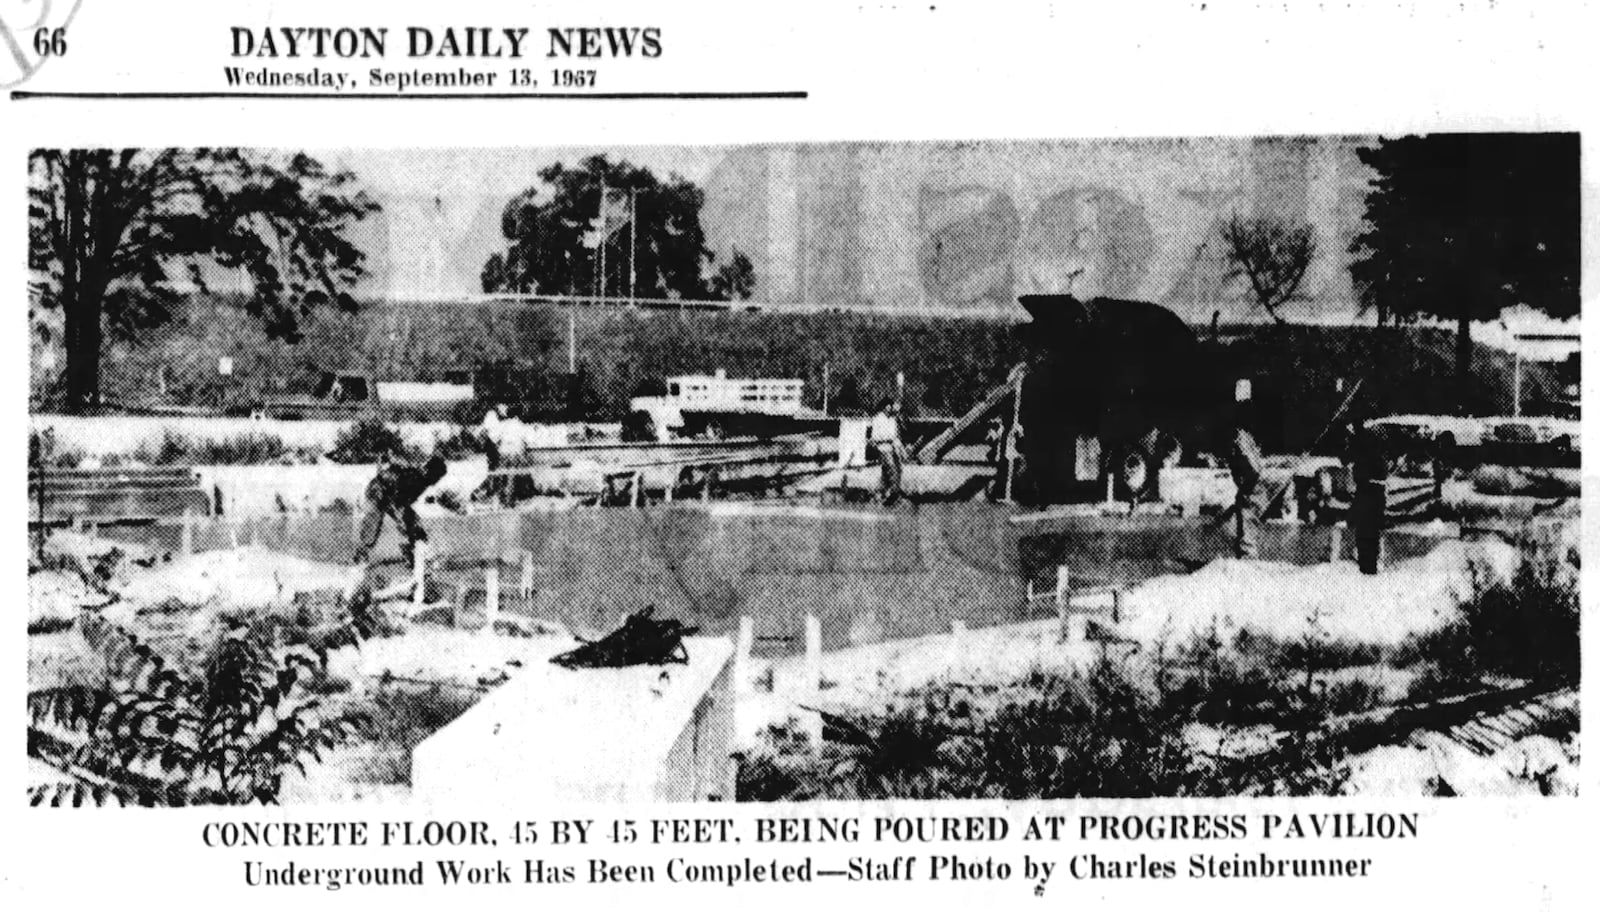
(416, 680)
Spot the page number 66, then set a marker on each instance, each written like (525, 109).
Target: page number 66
(48, 42)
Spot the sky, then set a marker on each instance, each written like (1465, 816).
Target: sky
(460, 194)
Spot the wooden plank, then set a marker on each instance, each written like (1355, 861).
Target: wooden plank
(1520, 720)
(1473, 738)
(940, 444)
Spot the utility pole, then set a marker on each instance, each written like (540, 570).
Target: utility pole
(572, 338)
(826, 385)
(633, 235)
(603, 238)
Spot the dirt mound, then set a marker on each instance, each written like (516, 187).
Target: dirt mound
(97, 558)
(55, 597)
(1328, 601)
(238, 578)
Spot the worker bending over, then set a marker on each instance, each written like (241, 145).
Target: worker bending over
(393, 494)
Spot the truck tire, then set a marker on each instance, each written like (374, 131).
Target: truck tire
(1136, 472)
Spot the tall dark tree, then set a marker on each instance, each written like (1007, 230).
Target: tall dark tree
(735, 280)
(1271, 255)
(1462, 226)
(114, 235)
(551, 234)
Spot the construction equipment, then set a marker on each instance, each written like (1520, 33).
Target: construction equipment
(1106, 386)
(1277, 498)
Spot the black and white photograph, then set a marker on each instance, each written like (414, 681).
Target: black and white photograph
(1055, 467)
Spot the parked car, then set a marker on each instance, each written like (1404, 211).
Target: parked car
(1458, 441)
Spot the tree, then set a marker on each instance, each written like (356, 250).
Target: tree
(554, 246)
(115, 236)
(735, 280)
(1462, 226)
(1272, 255)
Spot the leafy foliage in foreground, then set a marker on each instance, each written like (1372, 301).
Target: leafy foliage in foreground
(155, 733)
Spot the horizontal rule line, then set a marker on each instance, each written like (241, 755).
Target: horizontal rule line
(419, 96)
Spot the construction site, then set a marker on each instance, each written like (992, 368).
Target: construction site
(1135, 561)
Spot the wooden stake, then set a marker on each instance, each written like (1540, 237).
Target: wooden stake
(741, 655)
(1064, 599)
(491, 595)
(525, 583)
(958, 643)
(812, 668)
(419, 573)
(811, 684)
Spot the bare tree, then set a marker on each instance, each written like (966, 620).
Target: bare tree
(1272, 255)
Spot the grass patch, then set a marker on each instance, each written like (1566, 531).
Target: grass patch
(1094, 734)
(403, 716)
(1524, 627)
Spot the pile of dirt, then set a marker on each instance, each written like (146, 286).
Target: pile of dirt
(246, 577)
(1283, 602)
(1330, 602)
(455, 657)
(55, 597)
(101, 559)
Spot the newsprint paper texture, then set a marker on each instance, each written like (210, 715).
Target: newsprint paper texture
(577, 455)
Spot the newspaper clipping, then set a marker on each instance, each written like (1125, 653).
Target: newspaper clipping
(588, 455)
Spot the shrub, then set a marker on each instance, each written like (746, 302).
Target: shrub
(465, 443)
(249, 449)
(156, 733)
(370, 440)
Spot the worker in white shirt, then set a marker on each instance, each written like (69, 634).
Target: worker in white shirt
(1243, 456)
(883, 436)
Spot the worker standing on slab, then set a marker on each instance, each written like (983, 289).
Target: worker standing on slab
(884, 437)
(394, 493)
(1244, 465)
(1369, 469)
